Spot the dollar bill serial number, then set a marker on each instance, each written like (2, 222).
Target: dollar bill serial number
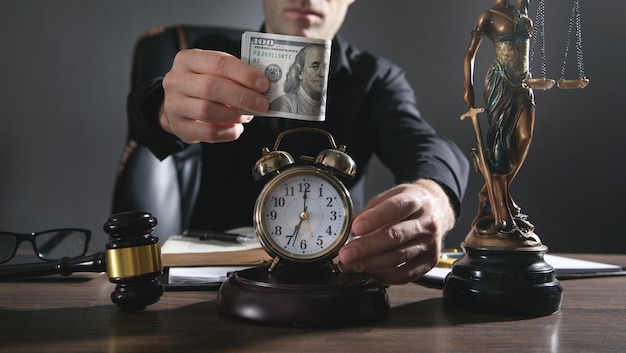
(271, 54)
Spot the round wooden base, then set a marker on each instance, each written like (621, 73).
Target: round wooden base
(302, 297)
(514, 282)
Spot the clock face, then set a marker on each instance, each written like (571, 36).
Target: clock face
(303, 214)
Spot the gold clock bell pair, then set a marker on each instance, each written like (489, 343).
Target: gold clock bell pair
(302, 218)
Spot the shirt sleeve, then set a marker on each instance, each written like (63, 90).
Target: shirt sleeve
(143, 105)
(408, 145)
(153, 55)
(152, 58)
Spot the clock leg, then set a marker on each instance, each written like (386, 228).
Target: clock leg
(274, 263)
(333, 266)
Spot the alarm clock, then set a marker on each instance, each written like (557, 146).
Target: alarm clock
(303, 213)
(302, 217)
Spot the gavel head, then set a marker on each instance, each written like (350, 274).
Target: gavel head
(133, 260)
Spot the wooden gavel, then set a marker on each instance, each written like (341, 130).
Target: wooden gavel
(132, 261)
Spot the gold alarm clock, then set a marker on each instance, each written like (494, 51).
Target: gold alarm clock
(302, 217)
(303, 213)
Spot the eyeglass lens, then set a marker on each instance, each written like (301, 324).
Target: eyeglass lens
(50, 245)
(59, 244)
(8, 242)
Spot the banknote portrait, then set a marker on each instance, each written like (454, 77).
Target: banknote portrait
(304, 85)
(297, 69)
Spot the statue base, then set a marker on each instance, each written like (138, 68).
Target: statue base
(302, 297)
(506, 281)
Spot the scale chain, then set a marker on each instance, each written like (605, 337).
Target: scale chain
(575, 21)
(540, 23)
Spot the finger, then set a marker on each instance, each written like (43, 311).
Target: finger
(194, 131)
(224, 91)
(373, 249)
(388, 208)
(224, 65)
(402, 264)
(214, 89)
(201, 109)
(406, 272)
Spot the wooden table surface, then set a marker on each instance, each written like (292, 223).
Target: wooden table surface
(75, 314)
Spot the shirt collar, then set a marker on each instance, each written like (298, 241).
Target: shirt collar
(338, 55)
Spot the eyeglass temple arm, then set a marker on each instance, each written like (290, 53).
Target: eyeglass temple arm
(65, 267)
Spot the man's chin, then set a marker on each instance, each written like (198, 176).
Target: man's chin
(304, 28)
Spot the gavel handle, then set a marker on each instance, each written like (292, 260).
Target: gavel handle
(65, 267)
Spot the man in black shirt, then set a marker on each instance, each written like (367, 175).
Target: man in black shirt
(370, 108)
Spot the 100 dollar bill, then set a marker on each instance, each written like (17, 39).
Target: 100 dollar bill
(297, 68)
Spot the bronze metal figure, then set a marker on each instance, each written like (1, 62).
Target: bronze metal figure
(503, 269)
(511, 116)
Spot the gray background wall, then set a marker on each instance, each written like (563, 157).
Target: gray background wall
(65, 66)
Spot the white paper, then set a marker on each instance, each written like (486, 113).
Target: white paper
(562, 266)
(202, 274)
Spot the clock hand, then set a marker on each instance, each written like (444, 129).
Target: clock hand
(308, 225)
(304, 197)
(304, 216)
(294, 236)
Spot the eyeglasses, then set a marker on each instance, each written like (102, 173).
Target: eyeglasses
(49, 245)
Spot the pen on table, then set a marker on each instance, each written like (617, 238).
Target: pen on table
(221, 236)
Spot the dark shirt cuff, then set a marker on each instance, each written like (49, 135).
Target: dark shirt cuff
(452, 198)
(442, 175)
(143, 107)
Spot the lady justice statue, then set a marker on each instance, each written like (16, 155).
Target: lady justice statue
(511, 117)
(503, 270)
